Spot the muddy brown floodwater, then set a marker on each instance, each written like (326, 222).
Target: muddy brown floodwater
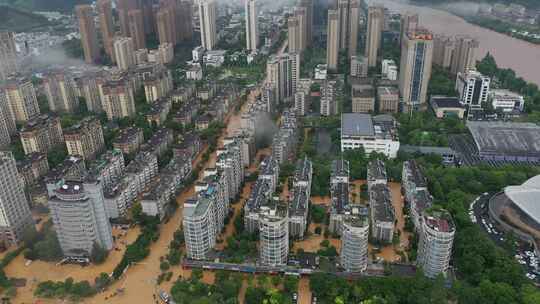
(521, 56)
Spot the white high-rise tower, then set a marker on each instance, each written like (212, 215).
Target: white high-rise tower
(252, 30)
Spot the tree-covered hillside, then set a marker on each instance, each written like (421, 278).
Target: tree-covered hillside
(45, 5)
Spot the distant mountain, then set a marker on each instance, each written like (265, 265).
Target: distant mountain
(17, 20)
(45, 5)
(526, 3)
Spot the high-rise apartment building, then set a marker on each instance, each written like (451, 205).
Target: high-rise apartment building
(184, 16)
(166, 24)
(123, 7)
(473, 88)
(354, 241)
(300, 15)
(8, 55)
(118, 99)
(274, 234)
(252, 25)
(79, 216)
(415, 69)
(85, 139)
(408, 23)
(60, 89)
(343, 10)
(352, 24)
(136, 28)
(90, 90)
(106, 25)
(199, 224)
(464, 56)
(21, 98)
(7, 121)
(15, 216)
(443, 50)
(207, 17)
(283, 72)
(87, 28)
(123, 52)
(7, 124)
(308, 5)
(375, 24)
(41, 134)
(435, 244)
(293, 34)
(332, 40)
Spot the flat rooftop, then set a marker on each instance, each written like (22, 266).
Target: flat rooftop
(510, 138)
(357, 124)
(381, 203)
(445, 102)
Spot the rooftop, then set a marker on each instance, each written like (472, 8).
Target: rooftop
(340, 197)
(511, 138)
(365, 125)
(525, 197)
(340, 167)
(376, 170)
(415, 173)
(381, 203)
(439, 220)
(445, 102)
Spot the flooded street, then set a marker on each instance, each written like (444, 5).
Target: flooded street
(504, 48)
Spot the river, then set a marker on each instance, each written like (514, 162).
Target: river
(521, 56)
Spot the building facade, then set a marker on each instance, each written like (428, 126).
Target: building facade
(87, 29)
(85, 139)
(435, 244)
(375, 24)
(207, 17)
(79, 216)
(415, 69)
(15, 218)
(252, 25)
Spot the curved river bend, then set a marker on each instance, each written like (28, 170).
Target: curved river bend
(521, 56)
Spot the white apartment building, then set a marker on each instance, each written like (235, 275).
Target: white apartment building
(274, 235)
(354, 242)
(79, 216)
(435, 244)
(473, 88)
(199, 227)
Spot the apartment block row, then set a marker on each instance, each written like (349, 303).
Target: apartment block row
(284, 142)
(433, 224)
(204, 216)
(348, 220)
(301, 193)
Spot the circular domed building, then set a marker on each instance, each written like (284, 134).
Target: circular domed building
(517, 209)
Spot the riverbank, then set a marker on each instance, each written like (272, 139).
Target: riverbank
(502, 47)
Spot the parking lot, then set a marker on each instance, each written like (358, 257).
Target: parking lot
(524, 255)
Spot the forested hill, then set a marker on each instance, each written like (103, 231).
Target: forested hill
(526, 3)
(45, 5)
